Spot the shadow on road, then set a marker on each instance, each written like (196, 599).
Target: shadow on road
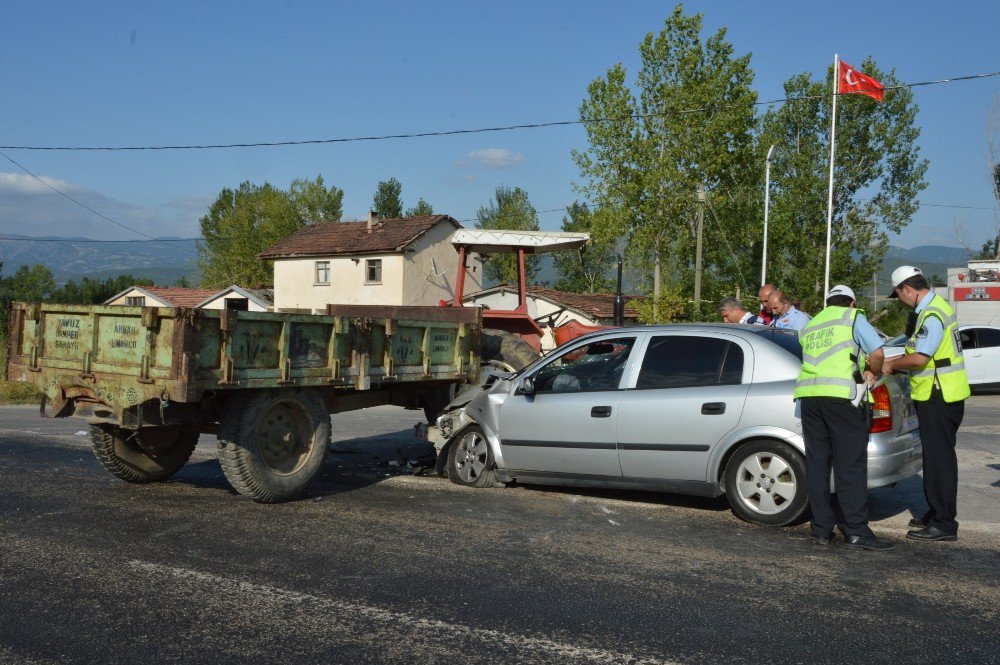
(349, 465)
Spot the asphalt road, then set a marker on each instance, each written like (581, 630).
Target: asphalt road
(380, 565)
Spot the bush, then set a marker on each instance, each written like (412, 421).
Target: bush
(13, 392)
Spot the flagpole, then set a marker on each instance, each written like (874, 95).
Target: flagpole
(829, 200)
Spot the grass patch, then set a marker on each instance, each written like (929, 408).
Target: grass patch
(16, 392)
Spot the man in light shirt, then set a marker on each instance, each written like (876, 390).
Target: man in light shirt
(731, 310)
(786, 315)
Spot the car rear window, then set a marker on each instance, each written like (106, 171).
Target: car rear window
(675, 361)
(786, 339)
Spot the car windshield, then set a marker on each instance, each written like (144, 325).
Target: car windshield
(786, 339)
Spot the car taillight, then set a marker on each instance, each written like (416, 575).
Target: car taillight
(881, 410)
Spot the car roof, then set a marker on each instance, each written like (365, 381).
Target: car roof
(745, 330)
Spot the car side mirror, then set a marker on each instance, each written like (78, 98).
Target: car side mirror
(527, 386)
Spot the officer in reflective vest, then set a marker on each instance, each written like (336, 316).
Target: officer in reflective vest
(939, 386)
(834, 345)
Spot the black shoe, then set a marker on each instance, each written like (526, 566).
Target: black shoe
(823, 540)
(931, 533)
(917, 524)
(870, 543)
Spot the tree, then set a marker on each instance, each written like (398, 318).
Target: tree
(587, 272)
(422, 208)
(510, 209)
(92, 291)
(877, 176)
(314, 202)
(388, 202)
(648, 153)
(240, 224)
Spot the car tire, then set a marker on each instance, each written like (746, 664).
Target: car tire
(765, 482)
(470, 459)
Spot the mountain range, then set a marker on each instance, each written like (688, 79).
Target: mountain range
(168, 259)
(164, 261)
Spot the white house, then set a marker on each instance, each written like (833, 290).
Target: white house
(238, 298)
(401, 261)
(551, 308)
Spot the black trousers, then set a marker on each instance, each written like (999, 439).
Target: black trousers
(836, 436)
(939, 423)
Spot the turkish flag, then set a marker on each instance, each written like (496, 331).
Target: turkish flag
(853, 82)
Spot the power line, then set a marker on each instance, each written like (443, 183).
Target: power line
(479, 130)
(79, 203)
(469, 219)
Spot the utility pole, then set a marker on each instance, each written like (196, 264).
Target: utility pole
(697, 250)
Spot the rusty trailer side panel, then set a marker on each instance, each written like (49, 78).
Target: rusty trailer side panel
(120, 357)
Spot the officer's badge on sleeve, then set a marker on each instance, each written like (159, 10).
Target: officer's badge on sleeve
(922, 332)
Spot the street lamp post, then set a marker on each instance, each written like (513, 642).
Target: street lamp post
(767, 205)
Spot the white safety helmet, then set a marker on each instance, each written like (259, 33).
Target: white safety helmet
(841, 290)
(900, 275)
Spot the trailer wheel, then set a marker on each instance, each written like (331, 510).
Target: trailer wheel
(144, 456)
(272, 445)
(506, 349)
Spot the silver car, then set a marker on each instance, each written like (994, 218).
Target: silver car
(697, 409)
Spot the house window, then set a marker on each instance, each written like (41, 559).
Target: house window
(237, 304)
(322, 272)
(135, 301)
(373, 271)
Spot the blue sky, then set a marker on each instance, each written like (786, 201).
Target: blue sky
(144, 73)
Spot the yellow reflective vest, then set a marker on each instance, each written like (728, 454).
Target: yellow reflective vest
(947, 367)
(830, 356)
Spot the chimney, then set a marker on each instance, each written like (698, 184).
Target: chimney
(372, 220)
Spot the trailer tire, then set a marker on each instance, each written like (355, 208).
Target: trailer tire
(434, 401)
(144, 456)
(272, 444)
(507, 349)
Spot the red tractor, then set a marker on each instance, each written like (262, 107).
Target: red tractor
(511, 338)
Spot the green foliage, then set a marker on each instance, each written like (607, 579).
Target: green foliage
(648, 160)
(422, 208)
(511, 210)
(388, 202)
(877, 177)
(990, 250)
(314, 202)
(240, 224)
(94, 291)
(670, 307)
(891, 320)
(589, 272)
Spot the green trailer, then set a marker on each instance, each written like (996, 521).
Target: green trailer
(150, 380)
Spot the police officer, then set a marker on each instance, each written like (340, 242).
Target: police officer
(835, 431)
(785, 314)
(939, 387)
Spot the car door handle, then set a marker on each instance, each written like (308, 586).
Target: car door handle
(713, 408)
(600, 412)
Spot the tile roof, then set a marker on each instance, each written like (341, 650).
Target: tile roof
(178, 297)
(332, 238)
(599, 305)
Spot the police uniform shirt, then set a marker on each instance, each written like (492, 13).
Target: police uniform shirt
(865, 335)
(931, 332)
(793, 319)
